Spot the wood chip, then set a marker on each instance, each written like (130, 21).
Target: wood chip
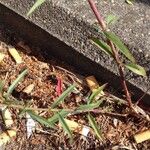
(1, 57)
(78, 128)
(92, 83)
(143, 136)
(5, 137)
(15, 55)
(29, 89)
(7, 116)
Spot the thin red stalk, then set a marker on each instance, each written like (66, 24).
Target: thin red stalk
(97, 14)
(116, 57)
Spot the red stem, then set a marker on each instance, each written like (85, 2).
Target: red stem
(115, 53)
(97, 14)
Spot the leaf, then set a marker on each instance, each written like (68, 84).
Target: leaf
(22, 112)
(7, 137)
(111, 19)
(95, 93)
(94, 126)
(103, 46)
(55, 117)
(39, 119)
(65, 126)
(89, 106)
(2, 56)
(63, 96)
(14, 53)
(130, 2)
(15, 83)
(35, 6)
(7, 117)
(2, 82)
(136, 69)
(117, 41)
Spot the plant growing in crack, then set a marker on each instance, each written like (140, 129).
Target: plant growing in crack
(8, 101)
(113, 46)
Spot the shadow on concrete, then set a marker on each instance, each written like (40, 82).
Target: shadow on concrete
(146, 2)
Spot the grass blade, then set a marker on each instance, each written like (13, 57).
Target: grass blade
(89, 106)
(136, 69)
(55, 117)
(63, 96)
(65, 126)
(35, 6)
(117, 41)
(15, 83)
(111, 19)
(94, 126)
(39, 119)
(103, 46)
(2, 82)
(95, 93)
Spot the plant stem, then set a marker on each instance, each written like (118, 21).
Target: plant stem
(115, 53)
(97, 14)
(72, 111)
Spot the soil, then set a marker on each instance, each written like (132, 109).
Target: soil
(117, 131)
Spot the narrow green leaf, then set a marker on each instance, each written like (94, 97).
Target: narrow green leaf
(111, 19)
(35, 6)
(22, 112)
(95, 93)
(136, 69)
(130, 2)
(15, 83)
(55, 117)
(63, 96)
(2, 82)
(65, 126)
(39, 119)
(94, 126)
(103, 46)
(117, 41)
(89, 106)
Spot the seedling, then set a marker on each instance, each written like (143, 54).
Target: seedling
(113, 46)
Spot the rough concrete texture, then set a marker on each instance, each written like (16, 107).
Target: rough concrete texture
(74, 23)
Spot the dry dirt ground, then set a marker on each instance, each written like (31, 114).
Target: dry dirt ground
(117, 132)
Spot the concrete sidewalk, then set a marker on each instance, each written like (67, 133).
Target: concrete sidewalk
(74, 23)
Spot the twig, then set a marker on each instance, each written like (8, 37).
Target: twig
(139, 100)
(71, 111)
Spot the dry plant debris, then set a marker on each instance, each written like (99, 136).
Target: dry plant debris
(1, 57)
(143, 136)
(6, 136)
(103, 118)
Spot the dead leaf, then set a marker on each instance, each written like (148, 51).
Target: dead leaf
(92, 83)
(29, 89)
(78, 128)
(1, 57)
(6, 136)
(143, 136)
(14, 53)
(7, 117)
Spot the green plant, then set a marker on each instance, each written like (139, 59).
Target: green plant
(8, 101)
(113, 46)
(35, 6)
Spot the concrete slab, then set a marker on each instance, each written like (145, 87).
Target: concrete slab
(74, 23)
